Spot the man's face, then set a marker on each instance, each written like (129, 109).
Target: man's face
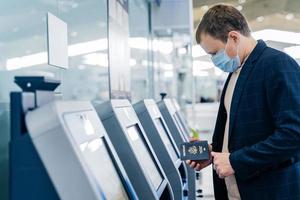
(212, 45)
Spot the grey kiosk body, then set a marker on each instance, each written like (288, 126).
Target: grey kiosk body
(77, 153)
(168, 112)
(134, 150)
(164, 146)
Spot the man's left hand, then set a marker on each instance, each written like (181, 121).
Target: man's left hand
(221, 164)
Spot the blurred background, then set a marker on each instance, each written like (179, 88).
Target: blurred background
(163, 54)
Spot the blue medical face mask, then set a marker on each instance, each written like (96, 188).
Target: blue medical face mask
(224, 62)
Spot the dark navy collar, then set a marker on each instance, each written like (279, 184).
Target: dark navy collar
(257, 51)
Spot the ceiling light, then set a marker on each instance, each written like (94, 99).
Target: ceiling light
(239, 7)
(204, 8)
(100, 59)
(260, 19)
(26, 61)
(290, 16)
(293, 51)
(87, 47)
(42, 57)
(277, 36)
(162, 46)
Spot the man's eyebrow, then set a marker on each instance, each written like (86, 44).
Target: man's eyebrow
(212, 52)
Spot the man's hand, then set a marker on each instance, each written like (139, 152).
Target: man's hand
(198, 165)
(221, 164)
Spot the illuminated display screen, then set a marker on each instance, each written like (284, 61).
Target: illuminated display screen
(103, 169)
(181, 129)
(96, 156)
(182, 122)
(166, 139)
(143, 155)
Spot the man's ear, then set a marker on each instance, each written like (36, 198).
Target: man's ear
(232, 43)
(234, 36)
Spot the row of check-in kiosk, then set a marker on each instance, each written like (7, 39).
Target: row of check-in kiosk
(78, 150)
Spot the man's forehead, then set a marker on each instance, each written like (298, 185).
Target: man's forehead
(210, 44)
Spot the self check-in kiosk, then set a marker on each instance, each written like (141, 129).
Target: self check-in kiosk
(64, 153)
(168, 112)
(164, 146)
(134, 150)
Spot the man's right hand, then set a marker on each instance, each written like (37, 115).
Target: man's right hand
(199, 165)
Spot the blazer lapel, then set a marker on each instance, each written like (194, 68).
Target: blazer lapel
(224, 89)
(221, 120)
(240, 84)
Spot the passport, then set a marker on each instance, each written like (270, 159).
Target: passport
(197, 150)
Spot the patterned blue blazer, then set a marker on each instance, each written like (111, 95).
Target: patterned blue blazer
(264, 130)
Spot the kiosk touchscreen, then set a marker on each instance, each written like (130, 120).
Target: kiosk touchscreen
(77, 153)
(168, 112)
(134, 150)
(164, 146)
(180, 117)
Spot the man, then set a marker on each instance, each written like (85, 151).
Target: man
(256, 141)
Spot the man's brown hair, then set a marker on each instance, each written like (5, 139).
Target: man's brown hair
(219, 20)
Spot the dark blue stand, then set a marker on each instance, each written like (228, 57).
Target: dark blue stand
(28, 177)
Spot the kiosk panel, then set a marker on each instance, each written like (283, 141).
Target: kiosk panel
(144, 156)
(96, 156)
(166, 139)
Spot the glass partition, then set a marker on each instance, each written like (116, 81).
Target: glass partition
(139, 50)
(23, 47)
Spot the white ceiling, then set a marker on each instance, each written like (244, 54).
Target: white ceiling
(261, 14)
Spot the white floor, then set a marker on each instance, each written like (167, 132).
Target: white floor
(206, 184)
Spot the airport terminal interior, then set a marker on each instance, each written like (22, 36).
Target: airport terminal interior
(97, 96)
